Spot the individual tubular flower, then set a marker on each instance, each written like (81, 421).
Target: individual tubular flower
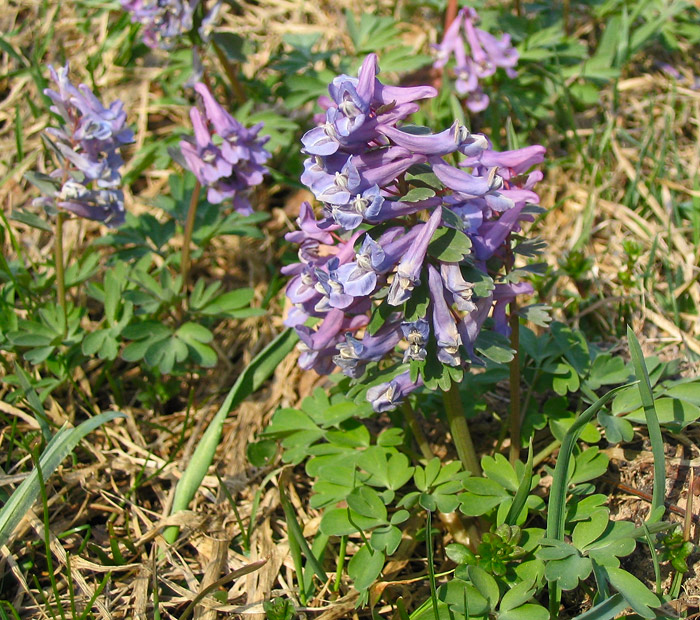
(387, 396)
(354, 355)
(486, 53)
(416, 334)
(228, 167)
(390, 274)
(446, 334)
(409, 268)
(87, 143)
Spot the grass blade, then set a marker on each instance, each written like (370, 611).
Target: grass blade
(60, 446)
(523, 490)
(296, 534)
(657, 442)
(607, 610)
(556, 508)
(248, 382)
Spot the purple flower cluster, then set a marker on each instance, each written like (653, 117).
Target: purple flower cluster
(164, 21)
(485, 54)
(375, 270)
(230, 164)
(87, 143)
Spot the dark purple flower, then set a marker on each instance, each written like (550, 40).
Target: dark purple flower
(164, 21)
(486, 54)
(228, 167)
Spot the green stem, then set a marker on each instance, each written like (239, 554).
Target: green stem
(545, 452)
(341, 563)
(47, 533)
(231, 73)
(189, 229)
(431, 566)
(514, 384)
(418, 435)
(460, 430)
(60, 275)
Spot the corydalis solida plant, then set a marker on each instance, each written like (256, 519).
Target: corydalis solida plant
(87, 144)
(164, 21)
(411, 255)
(477, 54)
(230, 164)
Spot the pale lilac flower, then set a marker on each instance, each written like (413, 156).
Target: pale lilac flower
(456, 284)
(88, 144)
(472, 322)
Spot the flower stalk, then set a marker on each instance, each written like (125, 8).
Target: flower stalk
(60, 274)
(231, 73)
(514, 384)
(460, 430)
(418, 434)
(189, 229)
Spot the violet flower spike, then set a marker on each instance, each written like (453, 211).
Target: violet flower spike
(230, 167)
(87, 143)
(165, 21)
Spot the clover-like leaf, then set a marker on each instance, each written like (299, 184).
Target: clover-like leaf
(365, 566)
(638, 596)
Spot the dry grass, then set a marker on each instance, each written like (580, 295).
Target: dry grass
(119, 486)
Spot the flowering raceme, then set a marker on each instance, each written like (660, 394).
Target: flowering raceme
(164, 21)
(228, 167)
(87, 144)
(485, 54)
(411, 255)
